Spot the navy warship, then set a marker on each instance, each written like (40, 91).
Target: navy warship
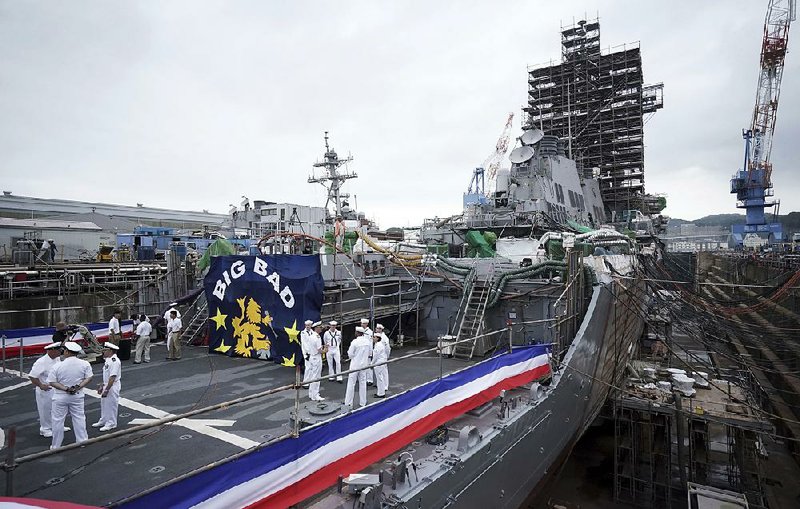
(546, 334)
(510, 323)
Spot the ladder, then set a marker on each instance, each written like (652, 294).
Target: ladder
(472, 318)
(197, 323)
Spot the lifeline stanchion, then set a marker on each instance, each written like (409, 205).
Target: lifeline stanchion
(296, 428)
(21, 343)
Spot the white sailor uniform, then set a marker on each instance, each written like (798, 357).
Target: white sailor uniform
(69, 372)
(44, 399)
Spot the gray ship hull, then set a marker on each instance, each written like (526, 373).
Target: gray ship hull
(513, 462)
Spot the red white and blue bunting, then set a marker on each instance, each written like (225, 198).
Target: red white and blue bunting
(292, 470)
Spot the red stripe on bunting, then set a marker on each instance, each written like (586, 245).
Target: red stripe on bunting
(329, 475)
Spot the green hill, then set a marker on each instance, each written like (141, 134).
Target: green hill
(790, 221)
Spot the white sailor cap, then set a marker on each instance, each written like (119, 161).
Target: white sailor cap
(316, 324)
(309, 322)
(379, 326)
(360, 329)
(72, 346)
(110, 345)
(364, 320)
(333, 323)
(57, 344)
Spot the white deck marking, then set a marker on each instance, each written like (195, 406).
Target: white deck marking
(12, 387)
(202, 426)
(14, 372)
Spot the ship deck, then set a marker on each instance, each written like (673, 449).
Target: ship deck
(110, 471)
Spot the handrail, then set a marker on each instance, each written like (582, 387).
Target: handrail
(469, 283)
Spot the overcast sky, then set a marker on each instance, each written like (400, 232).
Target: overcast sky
(192, 104)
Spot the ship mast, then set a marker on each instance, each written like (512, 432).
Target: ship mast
(332, 179)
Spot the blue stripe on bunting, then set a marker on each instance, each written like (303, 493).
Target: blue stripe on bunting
(196, 489)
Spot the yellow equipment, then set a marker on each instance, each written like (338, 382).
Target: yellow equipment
(104, 253)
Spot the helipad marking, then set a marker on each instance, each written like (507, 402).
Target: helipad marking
(202, 426)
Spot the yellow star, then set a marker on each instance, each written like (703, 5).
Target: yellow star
(222, 347)
(289, 363)
(293, 332)
(219, 319)
(267, 320)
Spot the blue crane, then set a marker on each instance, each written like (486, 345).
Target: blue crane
(753, 183)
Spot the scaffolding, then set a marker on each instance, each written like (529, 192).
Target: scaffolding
(597, 101)
(665, 440)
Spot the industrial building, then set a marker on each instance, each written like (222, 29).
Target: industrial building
(20, 239)
(266, 218)
(597, 100)
(690, 238)
(28, 207)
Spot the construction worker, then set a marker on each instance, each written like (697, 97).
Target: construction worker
(61, 334)
(338, 232)
(358, 353)
(109, 390)
(174, 328)
(44, 393)
(68, 378)
(315, 349)
(333, 342)
(143, 331)
(380, 353)
(114, 330)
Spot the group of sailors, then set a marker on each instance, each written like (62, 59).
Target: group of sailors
(368, 353)
(60, 378)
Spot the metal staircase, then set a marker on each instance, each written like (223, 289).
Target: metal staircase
(472, 318)
(193, 332)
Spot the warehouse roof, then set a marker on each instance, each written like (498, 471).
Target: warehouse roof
(47, 224)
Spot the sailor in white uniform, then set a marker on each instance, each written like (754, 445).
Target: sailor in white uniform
(358, 353)
(109, 391)
(380, 353)
(368, 334)
(305, 339)
(68, 378)
(142, 332)
(44, 393)
(314, 366)
(333, 342)
(114, 329)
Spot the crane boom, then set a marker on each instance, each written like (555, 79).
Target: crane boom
(753, 183)
(780, 14)
(492, 163)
